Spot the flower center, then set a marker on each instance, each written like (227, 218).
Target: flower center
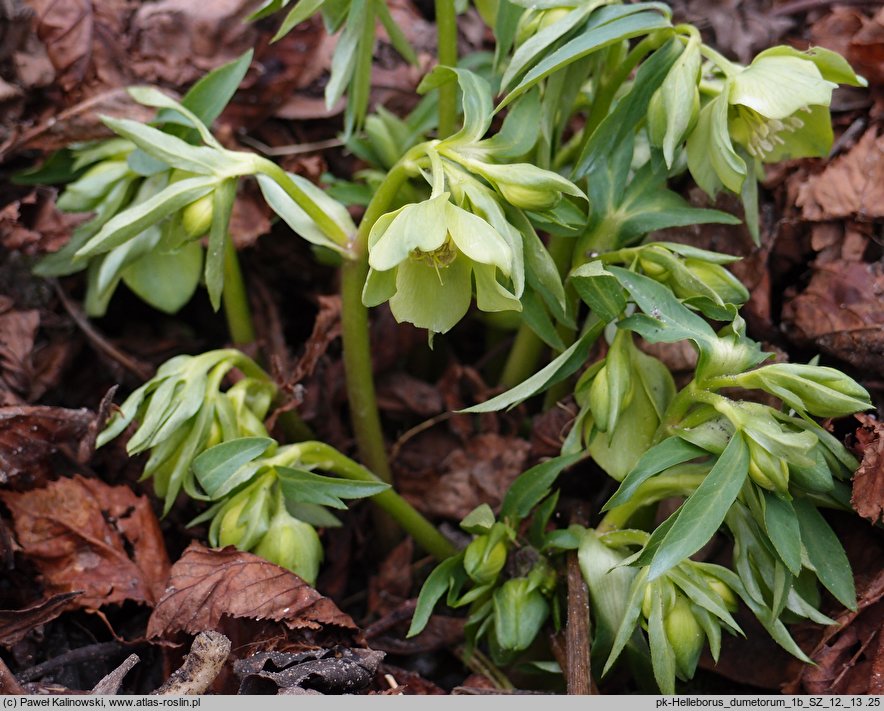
(442, 256)
(764, 132)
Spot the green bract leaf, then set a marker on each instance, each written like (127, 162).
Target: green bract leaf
(703, 512)
(476, 99)
(782, 528)
(606, 26)
(306, 487)
(532, 486)
(668, 453)
(302, 10)
(599, 289)
(222, 207)
(437, 584)
(208, 97)
(557, 370)
(214, 467)
(131, 222)
(826, 553)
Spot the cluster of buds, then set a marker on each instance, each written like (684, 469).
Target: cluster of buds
(182, 411)
(680, 611)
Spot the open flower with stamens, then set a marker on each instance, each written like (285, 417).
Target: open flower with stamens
(774, 109)
(424, 258)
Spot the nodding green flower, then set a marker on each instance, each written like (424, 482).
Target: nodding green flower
(425, 257)
(291, 543)
(776, 108)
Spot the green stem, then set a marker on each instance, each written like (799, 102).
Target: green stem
(235, 300)
(355, 332)
(420, 529)
(446, 54)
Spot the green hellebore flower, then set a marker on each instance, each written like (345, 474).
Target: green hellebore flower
(776, 108)
(685, 635)
(424, 257)
(293, 544)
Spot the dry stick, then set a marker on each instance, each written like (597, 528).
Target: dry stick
(141, 370)
(577, 673)
(201, 666)
(110, 684)
(89, 653)
(8, 683)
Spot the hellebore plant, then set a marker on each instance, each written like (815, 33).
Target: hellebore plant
(533, 182)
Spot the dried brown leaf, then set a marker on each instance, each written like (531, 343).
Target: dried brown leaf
(30, 436)
(85, 535)
(16, 624)
(206, 585)
(326, 671)
(868, 482)
(840, 313)
(851, 185)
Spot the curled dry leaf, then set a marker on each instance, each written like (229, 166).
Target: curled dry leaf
(16, 624)
(29, 436)
(201, 667)
(851, 185)
(206, 585)
(327, 671)
(868, 482)
(85, 535)
(840, 313)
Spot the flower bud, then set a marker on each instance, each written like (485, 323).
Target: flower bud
(818, 390)
(723, 591)
(484, 559)
(231, 529)
(196, 218)
(599, 400)
(725, 285)
(685, 635)
(766, 470)
(293, 544)
(519, 612)
(528, 198)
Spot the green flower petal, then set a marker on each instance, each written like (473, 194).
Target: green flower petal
(416, 226)
(778, 86)
(477, 239)
(379, 287)
(425, 301)
(831, 64)
(813, 140)
(490, 294)
(711, 156)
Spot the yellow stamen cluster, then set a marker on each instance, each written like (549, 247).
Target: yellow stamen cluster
(764, 132)
(442, 256)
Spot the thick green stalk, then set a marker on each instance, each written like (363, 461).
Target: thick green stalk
(446, 55)
(420, 529)
(235, 299)
(680, 482)
(355, 334)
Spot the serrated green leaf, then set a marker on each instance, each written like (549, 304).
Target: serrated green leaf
(599, 289)
(532, 486)
(668, 453)
(826, 554)
(704, 511)
(214, 467)
(305, 487)
(665, 318)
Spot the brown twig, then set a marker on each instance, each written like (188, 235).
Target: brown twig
(89, 653)
(8, 683)
(110, 684)
(140, 370)
(201, 666)
(578, 677)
